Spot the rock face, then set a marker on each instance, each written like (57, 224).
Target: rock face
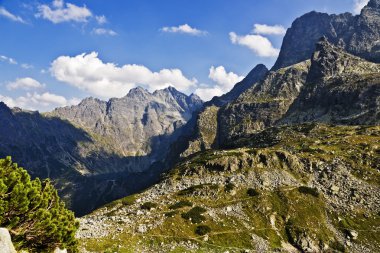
(262, 105)
(202, 130)
(6, 245)
(358, 35)
(98, 151)
(140, 125)
(340, 89)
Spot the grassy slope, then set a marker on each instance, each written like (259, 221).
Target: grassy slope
(282, 213)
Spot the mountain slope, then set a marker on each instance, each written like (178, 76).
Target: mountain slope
(359, 35)
(97, 151)
(307, 188)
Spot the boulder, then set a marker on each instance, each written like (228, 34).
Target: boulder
(6, 245)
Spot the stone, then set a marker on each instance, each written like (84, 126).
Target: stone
(58, 250)
(353, 234)
(6, 245)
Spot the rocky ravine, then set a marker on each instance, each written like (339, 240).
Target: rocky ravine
(309, 188)
(97, 151)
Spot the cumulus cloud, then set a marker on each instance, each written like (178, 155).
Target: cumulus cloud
(102, 31)
(89, 73)
(59, 12)
(7, 59)
(8, 15)
(269, 30)
(36, 101)
(26, 83)
(101, 19)
(224, 82)
(183, 29)
(207, 93)
(359, 5)
(260, 45)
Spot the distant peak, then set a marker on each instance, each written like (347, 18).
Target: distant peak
(138, 91)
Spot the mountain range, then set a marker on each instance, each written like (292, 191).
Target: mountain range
(287, 161)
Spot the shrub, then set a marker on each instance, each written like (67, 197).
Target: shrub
(181, 204)
(127, 201)
(171, 214)
(307, 190)
(190, 190)
(148, 206)
(202, 230)
(252, 192)
(229, 187)
(195, 215)
(33, 212)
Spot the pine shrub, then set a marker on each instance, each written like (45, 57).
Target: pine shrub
(31, 209)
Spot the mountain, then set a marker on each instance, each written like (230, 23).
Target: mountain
(304, 188)
(340, 89)
(201, 131)
(97, 151)
(289, 163)
(358, 35)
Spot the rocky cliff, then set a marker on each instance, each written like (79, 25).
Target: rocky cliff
(359, 35)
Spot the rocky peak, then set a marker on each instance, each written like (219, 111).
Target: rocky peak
(138, 93)
(255, 75)
(374, 4)
(358, 35)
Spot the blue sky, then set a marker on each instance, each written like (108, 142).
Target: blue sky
(54, 53)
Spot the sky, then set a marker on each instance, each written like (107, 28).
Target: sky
(55, 53)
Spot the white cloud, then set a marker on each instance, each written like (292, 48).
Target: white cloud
(8, 59)
(269, 30)
(359, 5)
(183, 29)
(7, 14)
(26, 66)
(206, 94)
(224, 82)
(102, 31)
(7, 100)
(63, 12)
(87, 72)
(26, 83)
(101, 19)
(258, 44)
(35, 101)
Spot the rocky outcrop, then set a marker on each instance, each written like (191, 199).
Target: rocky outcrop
(359, 35)
(340, 89)
(6, 245)
(262, 105)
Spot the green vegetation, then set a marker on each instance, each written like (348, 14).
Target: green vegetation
(275, 214)
(181, 204)
(252, 192)
(307, 190)
(33, 212)
(148, 205)
(195, 215)
(202, 230)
